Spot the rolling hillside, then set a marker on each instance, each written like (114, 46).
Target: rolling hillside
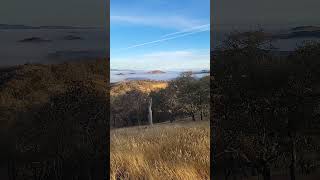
(24, 86)
(145, 86)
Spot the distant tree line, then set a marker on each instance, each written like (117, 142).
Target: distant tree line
(265, 108)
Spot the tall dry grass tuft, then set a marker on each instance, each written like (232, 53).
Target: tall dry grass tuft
(166, 151)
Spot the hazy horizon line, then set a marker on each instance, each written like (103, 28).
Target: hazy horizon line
(26, 26)
(168, 70)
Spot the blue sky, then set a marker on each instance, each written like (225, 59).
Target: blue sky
(160, 34)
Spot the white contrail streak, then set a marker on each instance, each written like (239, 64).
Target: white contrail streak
(166, 39)
(188, 30)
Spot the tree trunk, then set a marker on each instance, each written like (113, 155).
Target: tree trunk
(150, 112)
(92, 173)
(11, 170)
(193, 117)
(266, 172)
(57, 169)
(226, 174)
(35, 174)
(171, 118)
(97, 170)
(293, 159)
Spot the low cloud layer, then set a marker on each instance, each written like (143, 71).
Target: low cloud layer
(178, 60)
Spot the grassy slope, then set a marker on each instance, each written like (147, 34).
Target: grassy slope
(164, 151)
(145, 86)
(24, 86)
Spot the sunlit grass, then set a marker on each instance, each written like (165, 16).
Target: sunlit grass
(166, 151)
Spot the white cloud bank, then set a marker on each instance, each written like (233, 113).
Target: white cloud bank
(165, 60)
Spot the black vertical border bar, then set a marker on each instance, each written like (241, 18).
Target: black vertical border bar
(106, 151)
(212, 126)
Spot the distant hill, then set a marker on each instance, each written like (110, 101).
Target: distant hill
(201, 72)
(34, 40)
(145, 86)
(156, 72)
(299, 32)
(72, 37)
(306, 28)
(296, 32)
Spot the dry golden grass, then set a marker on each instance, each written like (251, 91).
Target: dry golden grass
(145, 86)
(164, 151)
(25, 86)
